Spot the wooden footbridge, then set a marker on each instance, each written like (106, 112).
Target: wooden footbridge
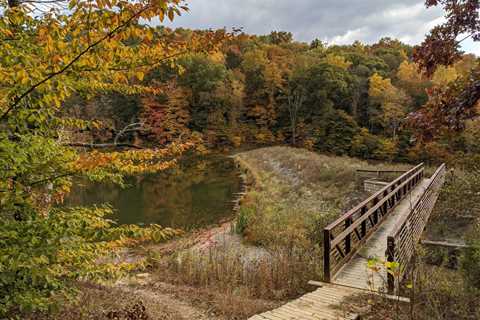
(369, 248)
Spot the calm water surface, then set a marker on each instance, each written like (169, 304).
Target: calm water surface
(198, 192)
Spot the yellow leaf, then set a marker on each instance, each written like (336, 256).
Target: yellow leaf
(56, 58)
(7, 33)
(171, 15)
(23, 77)
(149, 35)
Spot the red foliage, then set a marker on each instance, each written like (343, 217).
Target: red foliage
(154, 116)
(441, 46)
(448, 108)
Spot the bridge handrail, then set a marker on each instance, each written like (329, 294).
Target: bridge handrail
(379, 193)
(439, 175)
(401, 242)
(372, 210)
(380, 171)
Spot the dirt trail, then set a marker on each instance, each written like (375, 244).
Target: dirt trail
(165, 306)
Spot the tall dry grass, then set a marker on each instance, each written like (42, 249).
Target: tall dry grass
(297, 193)
(276, 274)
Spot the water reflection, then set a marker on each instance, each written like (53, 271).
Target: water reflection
(196, 193)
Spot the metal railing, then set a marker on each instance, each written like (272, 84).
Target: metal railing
(344, 236)
(401, 243)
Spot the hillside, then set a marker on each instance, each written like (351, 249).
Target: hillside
(297, 191)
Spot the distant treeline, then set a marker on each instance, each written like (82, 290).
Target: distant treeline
(348, 100)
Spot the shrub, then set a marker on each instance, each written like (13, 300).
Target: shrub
(364, 144)
(434, 152)
(243, 219)
(471, 260)
(387, 150)
(317, 223)
(42, 257)
(458, 203)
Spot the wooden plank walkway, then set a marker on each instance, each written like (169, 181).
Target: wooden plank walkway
(356, 272)
(321, 304)
(353, 278)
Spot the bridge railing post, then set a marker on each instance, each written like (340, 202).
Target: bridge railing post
(326, 255)
(385, 205)
(375, 213)
(348, 238)
(364, 222)
(390, 253)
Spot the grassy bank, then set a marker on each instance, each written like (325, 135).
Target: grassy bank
(297, 193)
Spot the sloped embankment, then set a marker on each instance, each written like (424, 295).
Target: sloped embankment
(296, 192)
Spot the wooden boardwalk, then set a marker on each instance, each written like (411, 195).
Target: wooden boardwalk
(400, 208)
(356, 272)
(353, 278)
(322, 304)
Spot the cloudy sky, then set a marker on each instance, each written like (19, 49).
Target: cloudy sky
(334, 21)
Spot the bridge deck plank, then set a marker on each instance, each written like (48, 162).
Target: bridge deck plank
(356, 273)
(322, 304)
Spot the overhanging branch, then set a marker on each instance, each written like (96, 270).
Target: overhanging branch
(19, 98)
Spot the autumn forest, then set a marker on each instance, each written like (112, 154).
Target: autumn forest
(367, 101)
(272, 132)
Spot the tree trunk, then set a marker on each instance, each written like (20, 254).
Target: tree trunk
(294, 134)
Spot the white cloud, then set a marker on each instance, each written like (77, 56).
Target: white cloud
(349, 37)
(336, 21)
(471, 47)
(404, 12)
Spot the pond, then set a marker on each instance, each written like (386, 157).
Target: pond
(198, 192)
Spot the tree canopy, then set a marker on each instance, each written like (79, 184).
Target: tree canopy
(457, 101)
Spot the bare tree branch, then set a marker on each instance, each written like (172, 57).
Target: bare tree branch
(137, 126)
(102, 145)
(49, 179)
(43, 1)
